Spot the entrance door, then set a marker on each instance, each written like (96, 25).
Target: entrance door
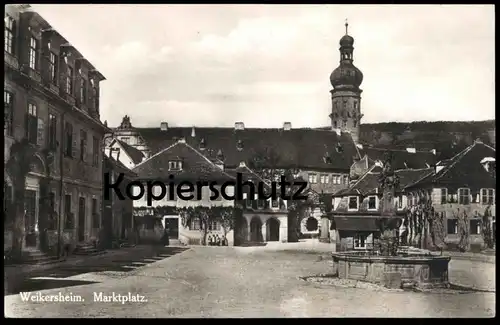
(273, 229)
(256, 230)
(30, 217)
(173, 227)
(81, 219)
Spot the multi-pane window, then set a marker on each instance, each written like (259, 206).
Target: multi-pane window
(372, 203)
(452, 226)
(83, 145)
(33, 53)
(353, 203)
(487, 196)
(32, 123)
(9, 34)
(95, 151)
(336, 179)
(213, 225)
(323, 179)
(83, 90)
(69, 80)
(463, 196)
(444, 195)
(52, 131)
(195, 224)
(68, 140)
(313, 178)
(53, 68)
(346, 179)
(8, 101)
(475, 227)
(360, 241)
(400, 201)
(175, 165)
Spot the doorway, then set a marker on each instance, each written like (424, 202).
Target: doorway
(256, 230)
(273, 229)
(240, 230)
(173, 227)
(81, 219)
(30, 218)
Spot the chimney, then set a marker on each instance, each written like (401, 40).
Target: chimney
(433, 151)
(193, 132)
(164, 126)
(242, 164)
(411, 150)
(239, 126)
(181, 140)
(287, 126)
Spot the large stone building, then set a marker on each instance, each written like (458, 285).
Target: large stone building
(51, 98)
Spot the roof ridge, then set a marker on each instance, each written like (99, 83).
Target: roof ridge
(156, 154)
(420, 179)
(204, 157)
(363, 176)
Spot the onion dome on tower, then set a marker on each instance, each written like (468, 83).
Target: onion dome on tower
(346, 74)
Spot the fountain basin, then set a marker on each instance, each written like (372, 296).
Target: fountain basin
(419, 270)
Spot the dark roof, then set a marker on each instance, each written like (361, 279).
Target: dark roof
(402, 159)
(116, 165)
(368, 183)
(464, 170)
(195, 166)
(301, 148)
(247, 174)
(135, 154)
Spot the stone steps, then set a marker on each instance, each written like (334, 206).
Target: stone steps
(88, 250)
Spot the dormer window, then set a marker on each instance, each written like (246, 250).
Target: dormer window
(175, 165)
(339, 148)
(239, 145)
(275, 203)
(202, 144)
(353, 203)
(487, 196)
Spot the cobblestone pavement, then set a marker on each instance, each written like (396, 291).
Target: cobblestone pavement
(233, 282)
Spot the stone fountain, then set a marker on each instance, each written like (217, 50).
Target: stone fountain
(390, 265)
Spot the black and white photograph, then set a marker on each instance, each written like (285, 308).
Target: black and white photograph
(249, 161)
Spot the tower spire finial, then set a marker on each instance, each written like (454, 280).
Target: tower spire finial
(346, 26)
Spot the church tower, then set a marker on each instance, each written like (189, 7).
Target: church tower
(346, 94)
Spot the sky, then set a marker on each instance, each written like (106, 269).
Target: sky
(214, 65)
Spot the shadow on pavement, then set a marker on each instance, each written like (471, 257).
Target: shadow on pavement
(42, 284)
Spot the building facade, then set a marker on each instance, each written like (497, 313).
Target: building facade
(51, 98)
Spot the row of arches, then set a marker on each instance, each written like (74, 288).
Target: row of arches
(256, 231)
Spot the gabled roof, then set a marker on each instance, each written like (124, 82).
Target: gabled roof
(304, 148)
(115, 165)
(402, 159)
(195, 166)
(463, 170)
(135, 154)
(247, 174)
(369, 182)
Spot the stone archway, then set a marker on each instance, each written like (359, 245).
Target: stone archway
(37, 165)
(273, 229)
(256, 230)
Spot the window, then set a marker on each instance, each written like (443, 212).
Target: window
(248, 203)
(8, 101)
(336, 179)
(213, 225)
(261, 204)
(68, 141)
(83, 90)
(475, 227)
(346, 179)
(353, 203)
(444, 195)
(33, 53)
(275, 204)
(175, 165)
(53, 68)
(359, 241)
(52, 131)
(69, 80)
(83, 145)
(400, 202)
(452, 225)
(487, 196)
(32, 123)
(95, 151)
(96, 223)
(10, 34)
(126, 140)
(67, 212)
(372, 203)
(323, 179)
(313, 178)
(195, 224)
(463, 196)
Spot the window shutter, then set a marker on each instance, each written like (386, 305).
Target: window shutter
(40, 133)
(74, 145)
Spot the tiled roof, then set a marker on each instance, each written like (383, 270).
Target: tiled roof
(465, 169)
(369, 182)
(401, 159)
(135, 154)
(195, 166)
(296, 148)
(247, 174)
(116, 165)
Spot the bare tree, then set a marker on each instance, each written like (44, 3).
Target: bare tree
(486, 231)
(463, 228)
